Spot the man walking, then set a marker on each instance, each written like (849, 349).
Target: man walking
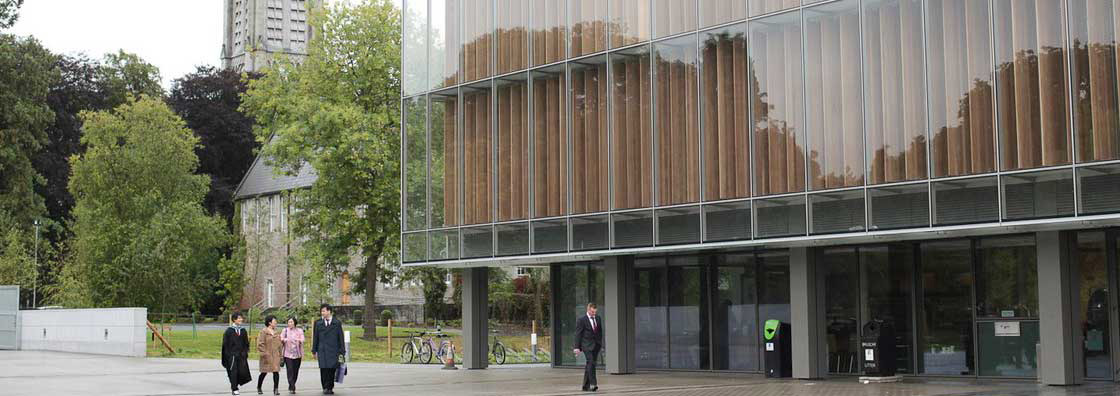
(326, 346)
(589, 341)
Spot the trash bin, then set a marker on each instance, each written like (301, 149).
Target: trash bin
(879, 349)
(776, 342)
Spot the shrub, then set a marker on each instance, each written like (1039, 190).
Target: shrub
(386, 316)
(356, 317)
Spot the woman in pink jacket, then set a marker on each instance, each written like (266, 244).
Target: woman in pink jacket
(292, 338)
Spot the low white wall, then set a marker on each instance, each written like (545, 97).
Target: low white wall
(109, 331)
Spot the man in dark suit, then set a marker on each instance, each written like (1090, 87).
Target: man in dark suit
(589, 341)
(327, 347)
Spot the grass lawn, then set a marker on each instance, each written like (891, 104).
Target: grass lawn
(208, 345)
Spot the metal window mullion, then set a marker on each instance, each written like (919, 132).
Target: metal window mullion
(1070, 125)
(994, 75)
(928, 129)
(805, 115)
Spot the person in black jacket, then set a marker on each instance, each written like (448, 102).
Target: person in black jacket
(589, 341)
(235, 353)
(327, 347)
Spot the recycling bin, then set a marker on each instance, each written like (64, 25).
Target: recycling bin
(879, 349)
(776, 343)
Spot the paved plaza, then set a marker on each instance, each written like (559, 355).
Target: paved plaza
(52, 373)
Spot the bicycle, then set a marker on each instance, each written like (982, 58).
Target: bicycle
(420, 348)
(498, 349)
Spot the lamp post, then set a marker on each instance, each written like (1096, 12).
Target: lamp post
(35, 282)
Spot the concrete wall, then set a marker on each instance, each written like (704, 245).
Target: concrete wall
(110, 331)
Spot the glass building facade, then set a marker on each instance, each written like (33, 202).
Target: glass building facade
(553, 131)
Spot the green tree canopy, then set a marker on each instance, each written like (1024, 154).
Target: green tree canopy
(338, 111)
(141, 236)
(26, 74)
(9, 12)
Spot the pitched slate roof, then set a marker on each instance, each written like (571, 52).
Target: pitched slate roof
(261, 180)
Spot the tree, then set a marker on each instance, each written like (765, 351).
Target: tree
(141, 236)
(433, 280)
(338, 111)
(26, 73)
(208, 100)
(9, 12)
(128, 76)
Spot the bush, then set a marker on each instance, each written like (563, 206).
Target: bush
(386, 316)
(356, 317)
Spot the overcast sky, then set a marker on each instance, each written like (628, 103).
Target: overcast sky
(174, 35)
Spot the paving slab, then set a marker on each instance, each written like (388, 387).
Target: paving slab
(53, 373)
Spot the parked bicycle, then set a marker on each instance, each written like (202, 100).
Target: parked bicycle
(498, 349)
(420, 346)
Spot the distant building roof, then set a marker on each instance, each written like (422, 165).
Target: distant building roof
(261, 180)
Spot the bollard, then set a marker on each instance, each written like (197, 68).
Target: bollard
(533, 341)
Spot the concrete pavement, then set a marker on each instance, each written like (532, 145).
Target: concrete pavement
(52, 373)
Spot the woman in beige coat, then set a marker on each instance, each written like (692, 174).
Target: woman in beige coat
(271, 349)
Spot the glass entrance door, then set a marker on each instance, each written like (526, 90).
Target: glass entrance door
(1092, 261)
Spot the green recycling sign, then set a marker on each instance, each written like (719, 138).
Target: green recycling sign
(771, 329)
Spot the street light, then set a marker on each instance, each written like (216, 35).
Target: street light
(35, 282)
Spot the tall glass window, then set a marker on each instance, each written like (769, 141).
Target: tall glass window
(841, 283)
(444, 154)
(777, 106)
(650, 314)
(478, 155)
(512, 35)
(677, 121)
(589, 135)
(550, 143)
(1092, 266)
(414, 56)
(574, 286)
(415, 164)
(631, 129)
(734, 313)
(549, 32)
(688, 314)
(513, 147)
(630, 21)
(833, 78)
(1007, 294)
(1031, 83)
(1092, 23)
(443, 44)
(673, 16)
(478, 33)
(589, 26)
(895, 90)
(945, 332)
(723, 88)
(959, 62)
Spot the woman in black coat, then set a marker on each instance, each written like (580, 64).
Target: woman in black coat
(235, 353)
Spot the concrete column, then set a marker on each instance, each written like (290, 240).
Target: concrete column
(475, 315)
(810, 353)
(619, 314)
(1059, 363)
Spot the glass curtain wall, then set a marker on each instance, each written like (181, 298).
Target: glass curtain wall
(443, 44)
(777, 105)
(478, 33)
(589, 26)
(415, 164)
(550, 143)
(589, 135)
(1007, 295)
(513, 147)
(445, 169)
(631, 128)
(759, 7)
(673, 16)
(677, 120)
(478, 154)
(945, 333)
(961, 113)
(894, 64)
(414, 47)
(833, 77)
(726, 132)
(630, 21)
(512, 35)
(549, 31)
(715, 12)
(1096, 119)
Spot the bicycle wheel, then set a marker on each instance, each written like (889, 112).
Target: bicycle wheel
(444, 350)
(407, 353)
(499, 353)
(425, 353)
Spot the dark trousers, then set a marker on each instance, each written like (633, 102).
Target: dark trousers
(232, 378)
(589, 369)
(275, 380)
(291, 367)
(326, 375)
